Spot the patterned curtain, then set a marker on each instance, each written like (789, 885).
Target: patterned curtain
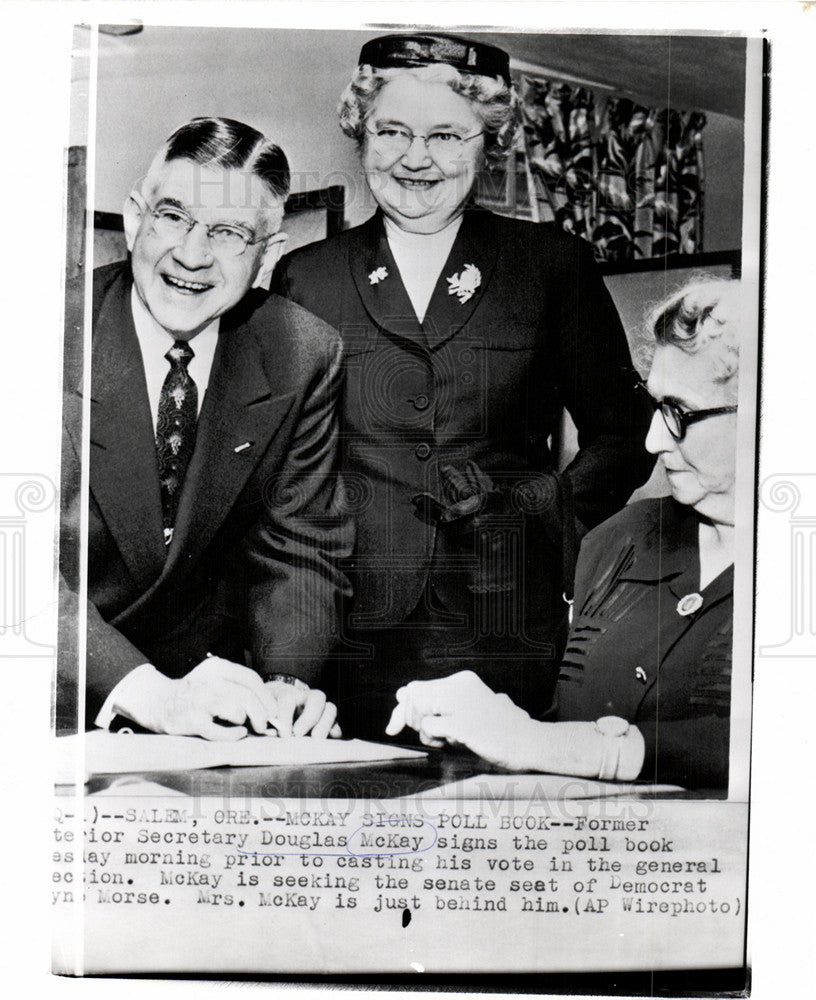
(627, 178)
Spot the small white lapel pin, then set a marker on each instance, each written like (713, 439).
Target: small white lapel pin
(689, 604)
(465, 284)
(377, 275)
(242, 447)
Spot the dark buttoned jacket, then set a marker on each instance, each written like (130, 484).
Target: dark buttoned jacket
(253, 565)
(649, 645)
(519, 326)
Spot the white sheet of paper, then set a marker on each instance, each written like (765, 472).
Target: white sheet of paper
(539, 788)
(119, 753)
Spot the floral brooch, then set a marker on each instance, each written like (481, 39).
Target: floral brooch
(465, 284)
(377, 275)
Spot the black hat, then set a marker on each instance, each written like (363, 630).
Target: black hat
(423, 50)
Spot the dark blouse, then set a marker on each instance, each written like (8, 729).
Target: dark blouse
(633, 652)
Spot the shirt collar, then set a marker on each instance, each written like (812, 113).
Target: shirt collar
(153, 338)
(669, 551)
(420, 242)
(670, 546)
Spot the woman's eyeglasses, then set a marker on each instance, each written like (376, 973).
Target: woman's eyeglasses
(396, 141)
(678, 419)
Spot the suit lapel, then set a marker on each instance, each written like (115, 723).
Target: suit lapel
(472, 259)
(384, 298)
(241, 412)
(124, 476)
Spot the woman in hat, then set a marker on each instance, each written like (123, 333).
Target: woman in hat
(465, 335)
(645, 683)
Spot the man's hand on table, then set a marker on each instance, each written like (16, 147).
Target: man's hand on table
(463, 709)
(227, 691)
(301, 710)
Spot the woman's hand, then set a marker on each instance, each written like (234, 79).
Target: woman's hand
(463, 709)
(479, 523)
(469, 497)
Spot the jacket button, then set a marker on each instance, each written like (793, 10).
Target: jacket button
(420, 402)
(422, 450)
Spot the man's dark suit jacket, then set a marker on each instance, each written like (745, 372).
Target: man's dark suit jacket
(253, 565)
(484, 377)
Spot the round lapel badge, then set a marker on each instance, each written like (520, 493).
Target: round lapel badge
(689, 604)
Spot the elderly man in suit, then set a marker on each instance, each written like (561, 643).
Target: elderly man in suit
(215, 520)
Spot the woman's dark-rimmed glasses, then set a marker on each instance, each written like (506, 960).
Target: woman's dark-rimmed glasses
(678, 419)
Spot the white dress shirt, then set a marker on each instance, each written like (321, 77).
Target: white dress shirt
(154, 343)
(420, 258)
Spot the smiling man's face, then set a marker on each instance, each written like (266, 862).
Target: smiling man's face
(187, 282)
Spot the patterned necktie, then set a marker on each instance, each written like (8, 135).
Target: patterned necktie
(175, 431)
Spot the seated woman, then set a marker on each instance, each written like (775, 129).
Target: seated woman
(644, 688)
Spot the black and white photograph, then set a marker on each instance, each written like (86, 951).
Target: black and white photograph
(406, 505)
(412, 397)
